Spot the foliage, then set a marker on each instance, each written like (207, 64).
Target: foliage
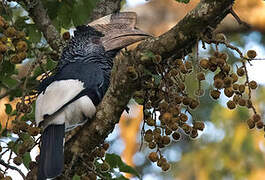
(177, 99)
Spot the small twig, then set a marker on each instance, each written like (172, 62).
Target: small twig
(209, 41)
(233, 13)
(249, 89)
(12, 167)
(91, 169)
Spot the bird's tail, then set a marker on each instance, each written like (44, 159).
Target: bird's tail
(51, 153)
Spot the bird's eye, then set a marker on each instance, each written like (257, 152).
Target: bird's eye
(95, 40)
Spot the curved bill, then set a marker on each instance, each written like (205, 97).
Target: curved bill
(119, 30)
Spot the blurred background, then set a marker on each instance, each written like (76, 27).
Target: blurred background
(226, 149)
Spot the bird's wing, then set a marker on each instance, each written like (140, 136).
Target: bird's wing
(71, 83)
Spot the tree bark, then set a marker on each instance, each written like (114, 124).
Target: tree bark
(177, 42)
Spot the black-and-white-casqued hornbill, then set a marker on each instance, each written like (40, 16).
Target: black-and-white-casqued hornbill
(69, 97)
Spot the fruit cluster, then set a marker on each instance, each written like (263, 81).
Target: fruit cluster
(12, 43)
(168, 107)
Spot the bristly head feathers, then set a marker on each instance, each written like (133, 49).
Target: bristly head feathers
(84, 30)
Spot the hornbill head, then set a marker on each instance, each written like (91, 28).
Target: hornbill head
(119, 30)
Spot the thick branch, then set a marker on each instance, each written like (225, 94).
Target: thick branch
(105, 7)
(178, 42)
(39, 15)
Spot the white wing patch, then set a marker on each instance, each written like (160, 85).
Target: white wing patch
(59, 93)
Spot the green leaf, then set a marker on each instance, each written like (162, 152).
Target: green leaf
(34, 33)
(115, 162)
(76, 177)
(8, 108)
(50, 65)
(26, 159)
(25, 136)
(64, 16)
(183, 1)
(9, 82)
(7, 68)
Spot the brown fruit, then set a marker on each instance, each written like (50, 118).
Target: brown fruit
(231, 104)
(167, 132)
(213, 60)
(235, 87)
(148, 137)
(242, 102)
(215, 94)
(20, 35)
(200, 76)
(186, 128)
(104, 167)
(178, 99)
(21, 46)
(165, 140)
(220, 37)
(199, 125)
(166, 117)
(220, 62)
(183, 117)
(234, 77)
(153, 156)
(150, 121)
(241, 88)
(157, 131)
(186, 101)
(228, 81)
(253, 84)
(92, 176)
(165, 166)
(218, 83)
(66, 35)
(260, 124)
(176, 136)
(33, 131)
(194, 133)
(17, 160)
(14, 60)
(10, 32)
(152, 145)
(226, 68)
(240, 71)
(251, 123)
(3, 48)
(188, 65)
(236, 98)
(256, 117)
(204, 63)
(194, 104)
(229, 92)
(21, 56)
(251, 54)
(183, 69)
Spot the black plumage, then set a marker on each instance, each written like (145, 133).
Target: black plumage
(69, 97)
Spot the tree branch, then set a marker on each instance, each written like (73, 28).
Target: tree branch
(13, 168)
(39, 15)
(105, 7)
(178, 42)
